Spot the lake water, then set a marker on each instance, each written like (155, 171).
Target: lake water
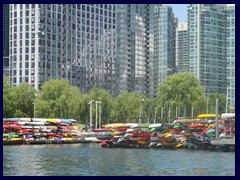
(92, 160)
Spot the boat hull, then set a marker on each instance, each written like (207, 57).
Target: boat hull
(13, 142)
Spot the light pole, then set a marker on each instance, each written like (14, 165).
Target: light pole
(227, 102)
(141, 107)
(90, 103)
(97, 102)
(207, 100)
(155, 114)
(34, 103)
(100, 116)
(169, 114)
(162, 113)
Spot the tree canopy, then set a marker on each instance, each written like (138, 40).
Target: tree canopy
(17, 101)
(126, 106)
(57, 99)
(181, 91)
(221, 103)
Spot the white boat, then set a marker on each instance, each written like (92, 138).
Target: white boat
(155, 125)
(227, 115)
(34, 123)
(38, 120)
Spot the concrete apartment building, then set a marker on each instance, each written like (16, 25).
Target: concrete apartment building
(123, 47)
(115, 47)
(71, 41)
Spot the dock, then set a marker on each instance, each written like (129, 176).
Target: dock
(223, 145)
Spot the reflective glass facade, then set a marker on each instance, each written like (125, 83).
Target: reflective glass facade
(124, 47)
(182, 47)
(166, 42)
(135, 44)
(146, 36)
(230, 10)
(63, 41)
(6, 39)
(207, 45)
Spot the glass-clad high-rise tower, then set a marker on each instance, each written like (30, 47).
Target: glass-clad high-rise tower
(207, 45)
(6, 39)
(71, 41)
(146, 37)
(123, 47)
(230, 10)
(182, 47)
(135, 43)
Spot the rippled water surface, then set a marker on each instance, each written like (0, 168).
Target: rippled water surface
(92, 160)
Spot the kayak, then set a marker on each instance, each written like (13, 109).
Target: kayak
(155, 125)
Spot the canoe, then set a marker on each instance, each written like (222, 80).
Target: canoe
(152, 129)
(177, 126)
(11, 135)
(12, 126)
(211, 135)
(197, 126)
(155, 125)
(10, 119)
(39, 120)
(13, 141)
(131, 125)
(100, 130)
(51, 120)
(210, 131)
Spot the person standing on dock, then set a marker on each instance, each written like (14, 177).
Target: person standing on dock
(86, 127)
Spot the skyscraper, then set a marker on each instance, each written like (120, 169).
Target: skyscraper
(6, 39)
(165, 49)
(230, 10)
(72, 41)
(124, 47)
(182, 47)
(207, 45)
(145, 46)
(135, 47)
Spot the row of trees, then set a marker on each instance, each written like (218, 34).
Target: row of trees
(180, 95)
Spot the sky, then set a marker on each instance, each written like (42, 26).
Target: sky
(180, 11)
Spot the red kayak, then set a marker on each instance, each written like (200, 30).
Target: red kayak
(99, 130)
(12, 126)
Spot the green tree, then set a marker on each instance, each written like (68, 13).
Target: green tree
(126, 107)
(58, 99)
(18, 100)
(24, 96)
(8, 101)
(221, 103)
(98, 94)
(181, 90)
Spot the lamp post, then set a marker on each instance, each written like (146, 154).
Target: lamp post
(207, 100)
(90, 103)
(34, 103)
(227, 102)
(141, 107)
(100, 116)
(162, 114)
(97, 102)
(155, 114)
(169, 114)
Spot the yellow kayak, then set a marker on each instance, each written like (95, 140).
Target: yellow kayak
(51, 120)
